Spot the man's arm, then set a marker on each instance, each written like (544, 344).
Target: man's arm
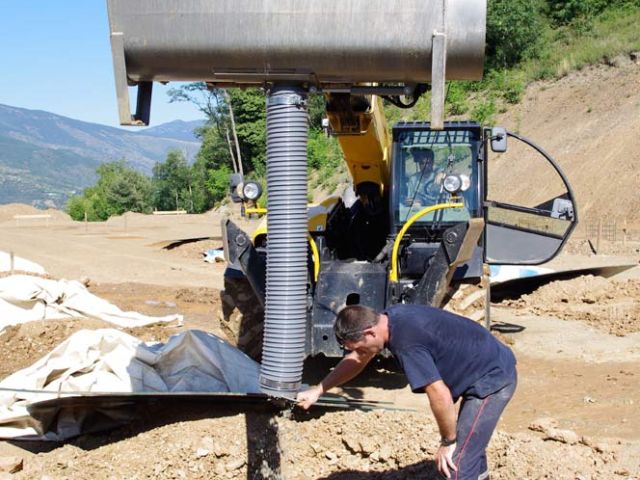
(445, 413)
(349, 367)
(443, 409)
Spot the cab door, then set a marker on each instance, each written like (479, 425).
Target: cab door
(529, 207)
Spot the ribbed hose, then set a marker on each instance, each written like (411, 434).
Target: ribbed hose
(285, 310)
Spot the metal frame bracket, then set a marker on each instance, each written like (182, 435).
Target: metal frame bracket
(143, 101)
(439, 70)
(438, 78)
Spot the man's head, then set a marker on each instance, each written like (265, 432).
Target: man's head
(422, 155)
(370, 197)
(359, 328)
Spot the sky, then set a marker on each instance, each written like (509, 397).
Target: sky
(55, 55)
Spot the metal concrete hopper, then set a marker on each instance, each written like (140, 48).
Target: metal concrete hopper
(331, 45)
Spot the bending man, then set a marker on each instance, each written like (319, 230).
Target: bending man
(446, 356)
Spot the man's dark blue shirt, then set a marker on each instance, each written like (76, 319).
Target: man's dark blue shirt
(431, 344)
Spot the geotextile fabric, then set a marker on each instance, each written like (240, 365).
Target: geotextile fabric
(109, 361)
(25, 298)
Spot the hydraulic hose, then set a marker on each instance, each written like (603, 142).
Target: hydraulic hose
(283, 348)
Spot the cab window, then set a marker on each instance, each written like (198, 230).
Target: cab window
(425, 159)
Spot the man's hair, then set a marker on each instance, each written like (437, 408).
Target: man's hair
(352, 320)
(423, 153)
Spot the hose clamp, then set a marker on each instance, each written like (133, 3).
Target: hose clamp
(295, 100)
(279, 386)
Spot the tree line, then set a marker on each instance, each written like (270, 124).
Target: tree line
(233, 141)
(520, 33)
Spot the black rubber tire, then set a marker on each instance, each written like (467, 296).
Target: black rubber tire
(242, 319)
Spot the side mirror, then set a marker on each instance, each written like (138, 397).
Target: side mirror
(499, 139)
(234, 182)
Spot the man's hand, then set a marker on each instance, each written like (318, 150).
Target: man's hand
(306, 398)
(444, 460)
(350, 366)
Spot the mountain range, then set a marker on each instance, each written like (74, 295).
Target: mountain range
(45, 158)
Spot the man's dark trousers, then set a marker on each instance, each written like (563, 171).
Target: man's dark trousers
(477, 420)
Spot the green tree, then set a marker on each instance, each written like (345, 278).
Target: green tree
(514, 31)
(563, 12)
(123, 189)
(213, 155)
(217, 183)
(78, 205)
(214, 151)
(317, 110)
(322, 152)
(119, 189)
(219, 146)
(251, 124)
(173, 183)
(214, 104)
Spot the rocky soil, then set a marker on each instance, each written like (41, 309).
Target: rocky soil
(353, 445)
(610, 306)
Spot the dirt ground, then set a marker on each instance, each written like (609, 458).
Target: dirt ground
(577, 343)
(575, 414)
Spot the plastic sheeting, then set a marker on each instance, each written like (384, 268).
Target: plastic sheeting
(25, 298)
(213, 255)
(110, 361)
(9, 263)
(504, 273)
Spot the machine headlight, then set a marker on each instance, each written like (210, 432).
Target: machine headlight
(456, 183)
(252, 190)
(452, 183)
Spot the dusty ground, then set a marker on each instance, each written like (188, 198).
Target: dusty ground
(578, 356)
(575, 414)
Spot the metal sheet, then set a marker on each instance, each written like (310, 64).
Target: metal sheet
(519, 247)
(105, 411)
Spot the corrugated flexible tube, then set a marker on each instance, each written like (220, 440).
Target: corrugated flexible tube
(283, 348)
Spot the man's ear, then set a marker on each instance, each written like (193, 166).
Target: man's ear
(369, 332)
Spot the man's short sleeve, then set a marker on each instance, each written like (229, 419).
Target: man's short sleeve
(419, 367)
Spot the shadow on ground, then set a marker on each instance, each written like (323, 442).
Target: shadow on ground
(425, 470)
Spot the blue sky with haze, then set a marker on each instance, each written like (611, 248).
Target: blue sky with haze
(55, 55)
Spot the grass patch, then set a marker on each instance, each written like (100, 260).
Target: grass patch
(613, 33)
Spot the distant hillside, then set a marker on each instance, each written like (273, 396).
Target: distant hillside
(178, 130)
(44, 157)
(589, 121)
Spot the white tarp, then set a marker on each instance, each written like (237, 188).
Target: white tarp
(25, 298)
(7, 264)
(110, 361)
(213, 255)
(504, 273)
